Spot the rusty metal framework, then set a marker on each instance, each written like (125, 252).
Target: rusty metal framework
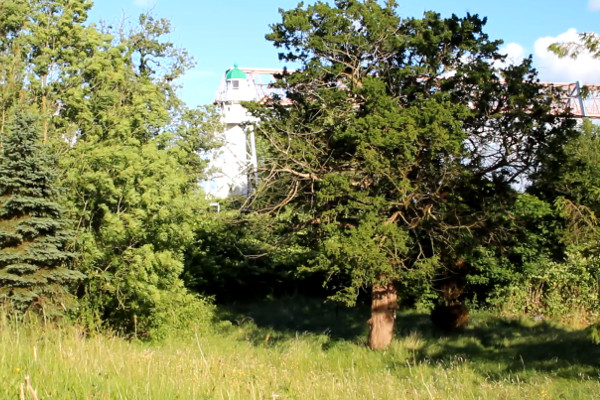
(581, 101)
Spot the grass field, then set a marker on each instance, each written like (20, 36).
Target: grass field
(289, 350)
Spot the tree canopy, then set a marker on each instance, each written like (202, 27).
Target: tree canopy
(401, 141)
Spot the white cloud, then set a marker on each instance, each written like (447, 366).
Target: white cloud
(514, 53)
(145, 3)
(594, 5)
(554, 69)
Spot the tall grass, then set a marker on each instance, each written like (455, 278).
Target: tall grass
(492, 359)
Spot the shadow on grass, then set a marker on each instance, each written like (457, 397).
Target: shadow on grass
(495, 347)
(501, 347)
(287, 317)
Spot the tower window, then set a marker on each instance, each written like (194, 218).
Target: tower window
(235, 84)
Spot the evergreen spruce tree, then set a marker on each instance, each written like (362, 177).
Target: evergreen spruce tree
(33, 233)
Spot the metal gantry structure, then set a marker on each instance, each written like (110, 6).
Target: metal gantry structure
(581, 101)
(235, 164)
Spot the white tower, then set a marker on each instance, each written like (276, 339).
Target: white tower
(234, 164)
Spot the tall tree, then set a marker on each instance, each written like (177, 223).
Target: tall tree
(41, 49)
(398, 137)
(130, 150)
(132, 178)
(34, 234)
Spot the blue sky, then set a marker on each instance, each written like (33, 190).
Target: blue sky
(219, 33)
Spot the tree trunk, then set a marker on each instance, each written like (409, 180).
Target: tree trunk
(383, 314)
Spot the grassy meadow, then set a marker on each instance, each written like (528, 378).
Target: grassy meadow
(280, 350)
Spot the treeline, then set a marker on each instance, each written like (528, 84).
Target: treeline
(91, 121)
(413, 168)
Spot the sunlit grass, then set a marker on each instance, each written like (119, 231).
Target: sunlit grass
(492, 359)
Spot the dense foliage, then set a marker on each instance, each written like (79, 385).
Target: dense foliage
(129, 153)
(249, 256)
(407, 159)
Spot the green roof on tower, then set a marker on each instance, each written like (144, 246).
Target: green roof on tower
(235, 73)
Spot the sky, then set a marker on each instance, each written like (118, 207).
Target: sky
(218, 34)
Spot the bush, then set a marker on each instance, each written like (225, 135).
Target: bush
(557, 289)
